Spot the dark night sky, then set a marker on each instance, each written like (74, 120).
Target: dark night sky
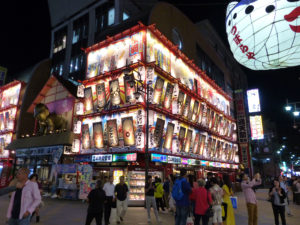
(25, 40)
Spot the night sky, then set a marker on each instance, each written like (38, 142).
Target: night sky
(25, 40)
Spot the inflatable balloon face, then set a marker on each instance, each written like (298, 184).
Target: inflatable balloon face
(264, 34)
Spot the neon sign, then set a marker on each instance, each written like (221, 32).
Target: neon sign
(128, 157)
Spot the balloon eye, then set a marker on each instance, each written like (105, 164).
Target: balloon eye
(234, 16)
(229, 22)
(270, 8)
(249, 9)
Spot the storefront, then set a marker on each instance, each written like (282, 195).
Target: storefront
(10, 102)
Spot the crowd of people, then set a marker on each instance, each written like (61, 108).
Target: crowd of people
(184, 196)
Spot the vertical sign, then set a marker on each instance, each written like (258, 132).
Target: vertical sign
(242, 128)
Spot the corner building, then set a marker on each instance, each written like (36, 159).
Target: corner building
(139, 77)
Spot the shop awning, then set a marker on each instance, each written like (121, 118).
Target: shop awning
(65, 138)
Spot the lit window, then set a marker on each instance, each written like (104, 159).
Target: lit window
(60, 69)
(76, 64)
(75, 36)
(125, 16)
(71, 66)
(111, 16)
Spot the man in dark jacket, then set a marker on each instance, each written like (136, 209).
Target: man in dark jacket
(183, 204)
(96, 200)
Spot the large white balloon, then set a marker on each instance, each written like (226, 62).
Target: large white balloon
(264, 34)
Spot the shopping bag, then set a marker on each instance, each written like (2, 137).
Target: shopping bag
(189, 221)
(234, 202)
(224, 211)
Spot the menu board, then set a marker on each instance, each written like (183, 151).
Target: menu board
(169, 136)
(196, 144)
(98, 135)
(195, 111)
(112, 133)
(187, 106)
(88, 100)
(129, 84)
(188, 141)
(128, 131)
(114, 89)
(86, 141)
(202, 145)
(101, 96)
(180, 102)
(168, 96)
(158, 132)
(181, 138)
(158, 90)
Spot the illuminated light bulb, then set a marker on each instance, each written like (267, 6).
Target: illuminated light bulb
(296, 113)
(288, 108)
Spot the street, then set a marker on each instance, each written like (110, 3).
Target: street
(58, 212)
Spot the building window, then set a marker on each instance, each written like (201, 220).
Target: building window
(77, 63)
(111, 16)
(177, 38)
(105, 16)
(80, 29)
(60, 40)
(125, 16)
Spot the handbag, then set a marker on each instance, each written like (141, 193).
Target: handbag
(209, 212)
(189, 221)
(224, 210)
(234, 201)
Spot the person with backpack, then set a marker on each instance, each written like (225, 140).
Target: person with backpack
(180, 193)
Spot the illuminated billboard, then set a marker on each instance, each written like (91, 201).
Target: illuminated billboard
(253, 101)
(264, 34)
(257, 132)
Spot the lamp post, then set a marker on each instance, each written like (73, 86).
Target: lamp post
(137, 94)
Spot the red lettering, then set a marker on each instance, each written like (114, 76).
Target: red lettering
(237, 39)
(250, 55)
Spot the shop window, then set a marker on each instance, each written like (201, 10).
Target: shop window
(125, 16)
(76, 63)
(177, 39)
(60, 40)
(61, 69)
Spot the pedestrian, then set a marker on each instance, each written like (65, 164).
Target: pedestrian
(208, 184)
(217, 197)
(121, 191)
(35, 178)
(180, 193)
(158, 194)
(109, 189)
(284, 186)
(203, 201)
(166, 188)
(250, 197)
(96, 200)
(278, 196)
(150, 199)
(24, 200)
(194, 185)
(227, 188)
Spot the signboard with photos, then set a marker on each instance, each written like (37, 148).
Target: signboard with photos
(112, 131)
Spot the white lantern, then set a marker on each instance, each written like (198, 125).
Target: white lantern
(264, 34)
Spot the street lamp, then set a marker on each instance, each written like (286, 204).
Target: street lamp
(139, 90)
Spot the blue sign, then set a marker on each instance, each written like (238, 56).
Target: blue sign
(174, 159)
(159, 158)
(102, 158)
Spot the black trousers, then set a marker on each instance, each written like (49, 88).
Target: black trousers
(91, 216)
(107, 209)
(204, 219)
(160, 203)
(279, 210)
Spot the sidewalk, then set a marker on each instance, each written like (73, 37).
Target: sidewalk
(63, 212)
